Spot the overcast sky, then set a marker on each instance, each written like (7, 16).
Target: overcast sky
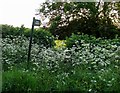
(18, 12)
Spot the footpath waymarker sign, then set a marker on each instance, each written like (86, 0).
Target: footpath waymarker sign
(35, 22)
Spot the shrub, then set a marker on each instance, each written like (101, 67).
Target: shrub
(27, 32)
(60, 43)
(10, 30)
(77, 40)
(43, 37)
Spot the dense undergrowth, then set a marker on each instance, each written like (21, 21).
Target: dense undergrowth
(86, 64)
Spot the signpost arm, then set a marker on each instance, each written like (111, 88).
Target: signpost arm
(30, 43)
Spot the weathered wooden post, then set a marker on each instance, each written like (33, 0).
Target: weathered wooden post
(34, 23)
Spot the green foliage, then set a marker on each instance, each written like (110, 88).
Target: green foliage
(78, 40)
(87, 81)
(92, 66)
(10, 30)
(83, 17)
(53, 27)
(14, 51)
(18, 80)
(54, 24)
(97, 28)
(43, 37)
(60, 44)
(26, 32)
(73, 40)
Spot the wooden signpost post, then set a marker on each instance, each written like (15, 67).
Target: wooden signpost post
(35, 22)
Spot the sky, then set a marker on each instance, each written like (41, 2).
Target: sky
(18, 12)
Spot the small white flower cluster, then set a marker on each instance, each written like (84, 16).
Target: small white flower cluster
(76, 61)
(88, 54)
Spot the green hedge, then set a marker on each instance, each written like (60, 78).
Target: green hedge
(10, 30)
(41, 36)
(77, 40)
(44, 37)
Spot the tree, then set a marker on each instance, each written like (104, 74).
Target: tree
(84, 17)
